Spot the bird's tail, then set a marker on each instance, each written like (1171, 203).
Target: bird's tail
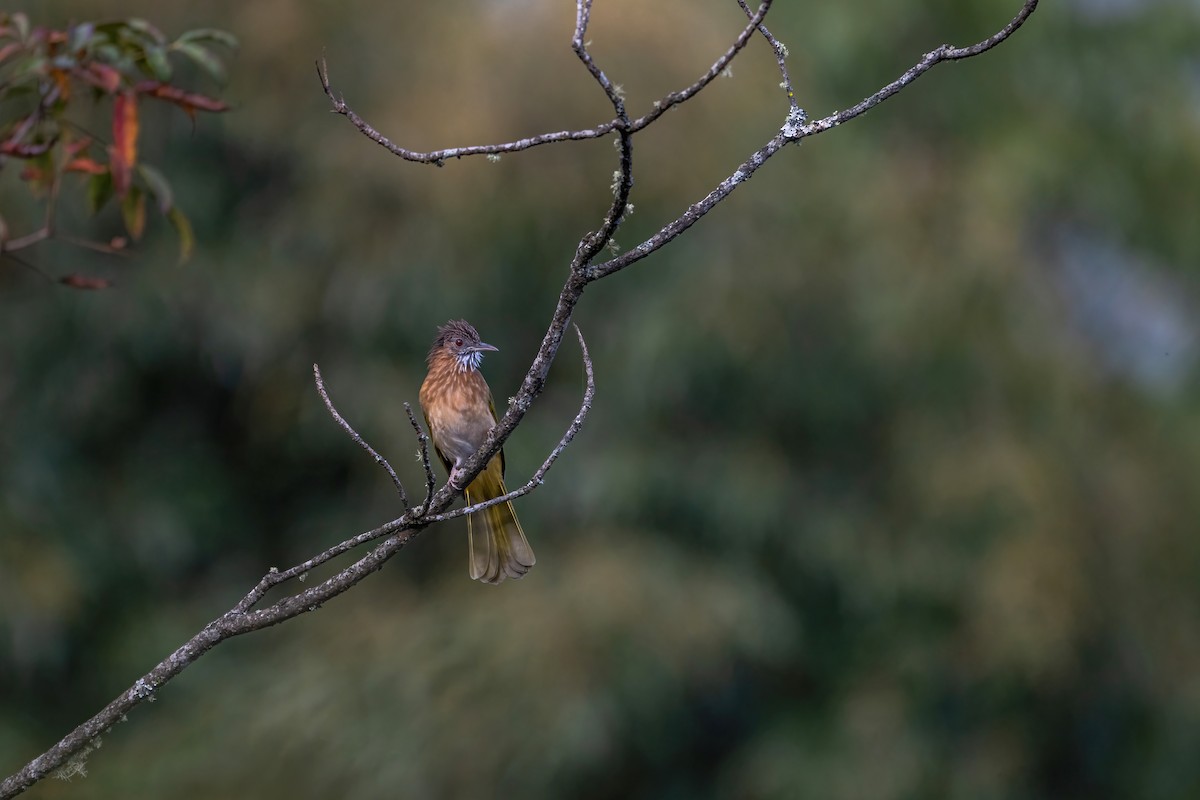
(498, 546)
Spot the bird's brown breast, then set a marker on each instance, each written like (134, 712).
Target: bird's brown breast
(457, 404)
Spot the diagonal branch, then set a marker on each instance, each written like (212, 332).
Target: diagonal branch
(589, 394)
(795, 129)
(931, 59)
(353, 434)
(675, 98)
(244, 617)
(781, 54)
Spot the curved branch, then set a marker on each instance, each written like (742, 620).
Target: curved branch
(931, 59)
(675, 98)
(589, 394)
(244, 617)
(353, 434)
(583, 15)
(781, 54)
(423, 455)
(794, 129)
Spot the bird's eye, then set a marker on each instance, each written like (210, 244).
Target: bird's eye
(458, 342)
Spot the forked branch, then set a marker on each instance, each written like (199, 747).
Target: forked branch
(246, 616)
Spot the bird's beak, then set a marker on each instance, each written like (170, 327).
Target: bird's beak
(482, 346)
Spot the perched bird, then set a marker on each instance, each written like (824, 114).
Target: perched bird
(459, 411)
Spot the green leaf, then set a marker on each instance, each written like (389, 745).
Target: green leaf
(111, 29)
(210, 35)
(109, 53)
(146, 29)
(156, 60)
(204, 58)
(133, 211)
(158, 186)
(28, 66)
(99, 191)
(21, 21)
(187, 239)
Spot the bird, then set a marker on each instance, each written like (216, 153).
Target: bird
(460, 412)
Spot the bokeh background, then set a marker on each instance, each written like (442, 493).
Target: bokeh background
(891, 486)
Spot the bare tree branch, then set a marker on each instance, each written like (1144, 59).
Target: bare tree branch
(353, 434)
(934, 57)
(795, 128)
(47, 230)
(591, 244)
(28, 240)
(538, 478)
(781, 55)
(245, 617)
(675, 98)
(439, 157)
(423, 454)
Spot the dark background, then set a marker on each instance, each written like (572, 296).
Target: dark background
(890, 490)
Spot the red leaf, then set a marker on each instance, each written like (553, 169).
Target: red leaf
(77, 146)
(188, 101)
(100, 75)
(9, 49)
(122, 154)
(77, 281)
(88, 165)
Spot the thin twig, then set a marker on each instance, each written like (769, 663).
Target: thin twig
(242, 618)
(274, 576)
(583, 13)
(423, 453)
(28, 240)
(781, 54)
(48, 224)
(353, 434)
(34, 268)
(934, 57)
(88, 244)
(439, 157)
(589, 394)
(795, 129)
(693, 213)
(675, 98)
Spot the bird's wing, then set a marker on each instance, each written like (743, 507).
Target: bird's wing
(445, 461)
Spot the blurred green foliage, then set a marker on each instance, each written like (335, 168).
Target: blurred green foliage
(46, 74)
(889, 491)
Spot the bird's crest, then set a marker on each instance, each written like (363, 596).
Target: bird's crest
(458, 340)
(456, 329)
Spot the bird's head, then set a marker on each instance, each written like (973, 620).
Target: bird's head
(459, 340)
